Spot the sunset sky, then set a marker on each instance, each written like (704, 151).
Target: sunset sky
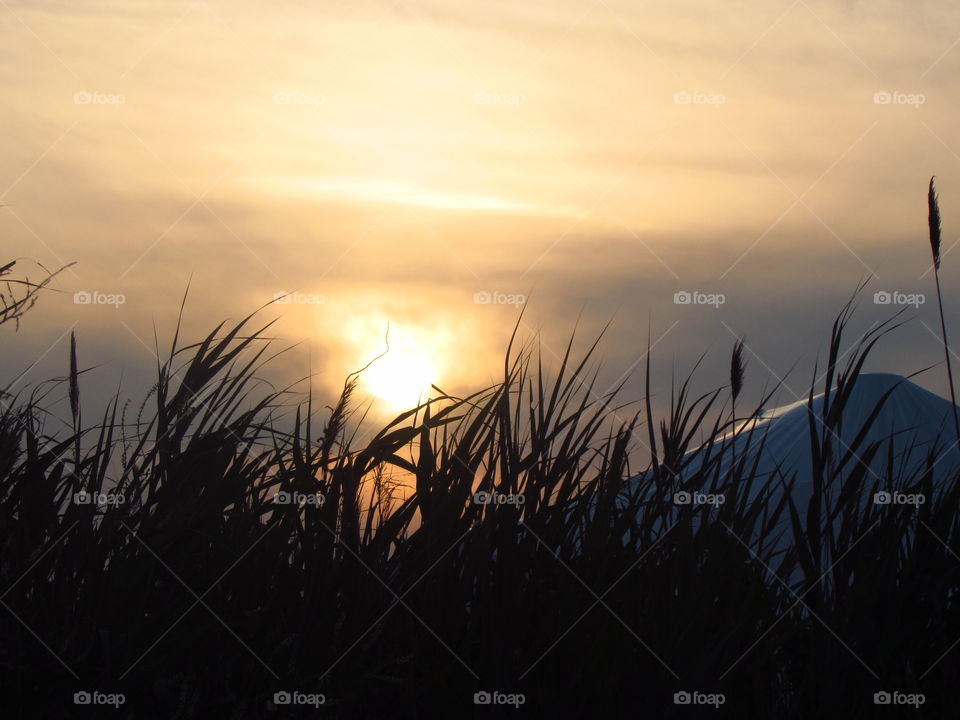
(407, 162)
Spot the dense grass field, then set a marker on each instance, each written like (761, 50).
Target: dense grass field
(185, 556)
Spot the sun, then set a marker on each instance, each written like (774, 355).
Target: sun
(410, 354)
(401, 378)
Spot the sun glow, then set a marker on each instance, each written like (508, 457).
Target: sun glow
(378, 190)
(401, 377)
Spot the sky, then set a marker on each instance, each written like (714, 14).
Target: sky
(687, 171)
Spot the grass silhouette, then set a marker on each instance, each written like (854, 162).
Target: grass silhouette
(206, 559)
(200, 595)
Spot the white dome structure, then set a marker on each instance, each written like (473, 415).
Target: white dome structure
(912, 427)
(911, 422)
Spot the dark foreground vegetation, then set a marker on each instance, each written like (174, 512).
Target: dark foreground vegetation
(196, 594)
(148, 570)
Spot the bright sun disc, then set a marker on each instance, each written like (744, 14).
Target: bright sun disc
(400, 378)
